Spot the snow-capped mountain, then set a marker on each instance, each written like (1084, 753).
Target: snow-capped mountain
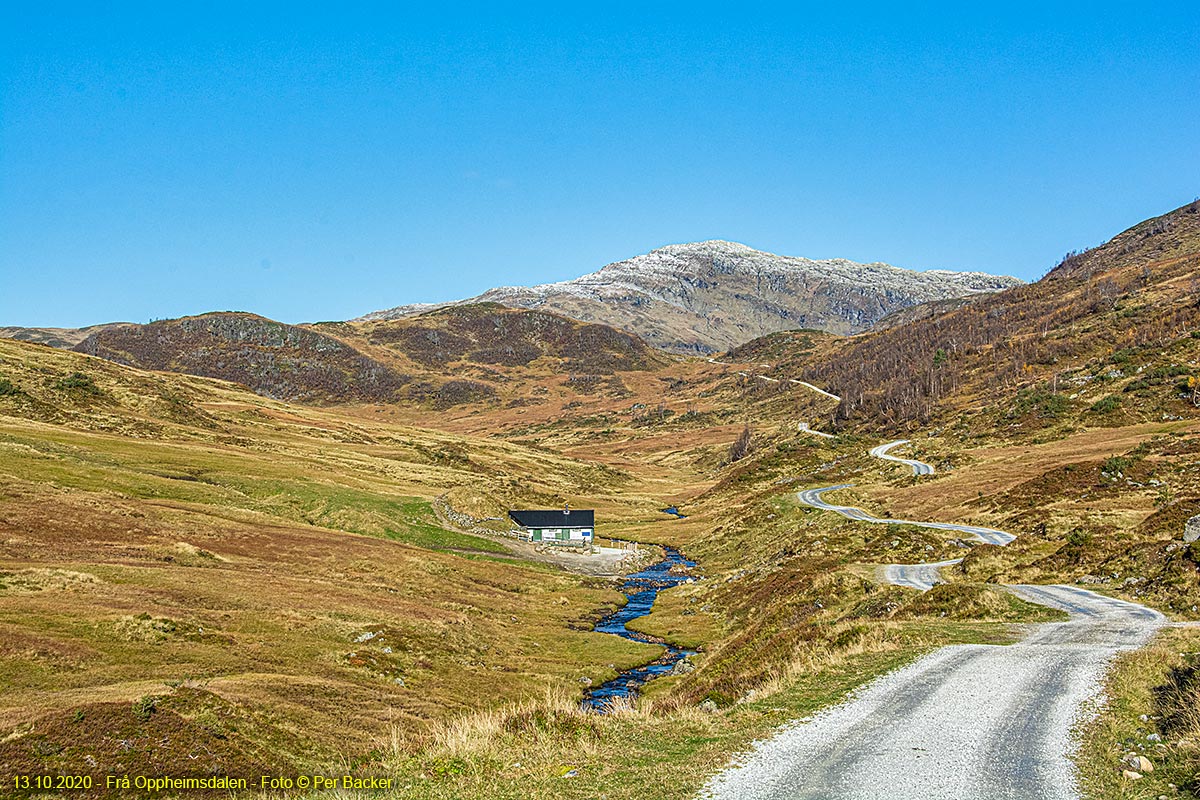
(712, 296)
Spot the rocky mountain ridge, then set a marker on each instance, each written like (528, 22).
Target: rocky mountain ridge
(711, 296)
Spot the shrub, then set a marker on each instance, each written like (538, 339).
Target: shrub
(722, 699)
(1106, 405)
(7, 387)
(1078, 538)
(1123, 356)
(144, 707)
(1116, 465)
(1045, 404)
(77, 383)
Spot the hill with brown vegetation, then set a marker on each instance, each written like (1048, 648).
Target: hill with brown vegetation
(444, 358)
(275, 360)
(188, 564)
(1117, 319)
(192, 568)
(491, 334)
(711, 296)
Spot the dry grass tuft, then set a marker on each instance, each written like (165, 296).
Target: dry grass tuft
(1153, 710)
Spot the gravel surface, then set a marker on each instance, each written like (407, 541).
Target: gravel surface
(918, 467)
(916, 576)
(812, 497)
(968, 722)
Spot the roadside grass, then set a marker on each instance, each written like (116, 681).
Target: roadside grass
(1152, 710)
(658, 747)
(556, 750)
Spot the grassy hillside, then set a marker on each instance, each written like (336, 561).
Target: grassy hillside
(185, 560)
(491, 334)
(269, 575)
(276, 360)
(54, 337)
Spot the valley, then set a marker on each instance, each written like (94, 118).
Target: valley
(225, 546)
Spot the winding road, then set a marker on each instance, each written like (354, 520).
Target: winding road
(967, 722)
(918, 467)
(795, 381)
(812, 497)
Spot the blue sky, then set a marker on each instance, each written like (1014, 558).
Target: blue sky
(157, 160)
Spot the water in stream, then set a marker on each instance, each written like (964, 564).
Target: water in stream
(641, 588)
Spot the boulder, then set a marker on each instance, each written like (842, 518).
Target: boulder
(682, 667)
(1137, 763)
(1191, 530)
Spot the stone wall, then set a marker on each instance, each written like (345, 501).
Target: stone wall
(465, 522)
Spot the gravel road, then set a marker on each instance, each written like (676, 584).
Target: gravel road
(918, 467)
(812, 497)
(816, 389)
(916, 576)
(968, 722)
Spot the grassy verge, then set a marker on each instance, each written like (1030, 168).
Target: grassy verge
(665, 752)
(1153, 711)
(662, 747)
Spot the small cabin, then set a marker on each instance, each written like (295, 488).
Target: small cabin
(560, 527)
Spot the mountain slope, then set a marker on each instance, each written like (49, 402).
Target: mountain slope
(264, 577)
(1120, 320)
(492, 334)
(712, 296)
(275, 360)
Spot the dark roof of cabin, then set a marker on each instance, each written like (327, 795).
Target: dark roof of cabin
(554, 519)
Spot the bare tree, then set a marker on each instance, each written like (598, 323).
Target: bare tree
(741, 446)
